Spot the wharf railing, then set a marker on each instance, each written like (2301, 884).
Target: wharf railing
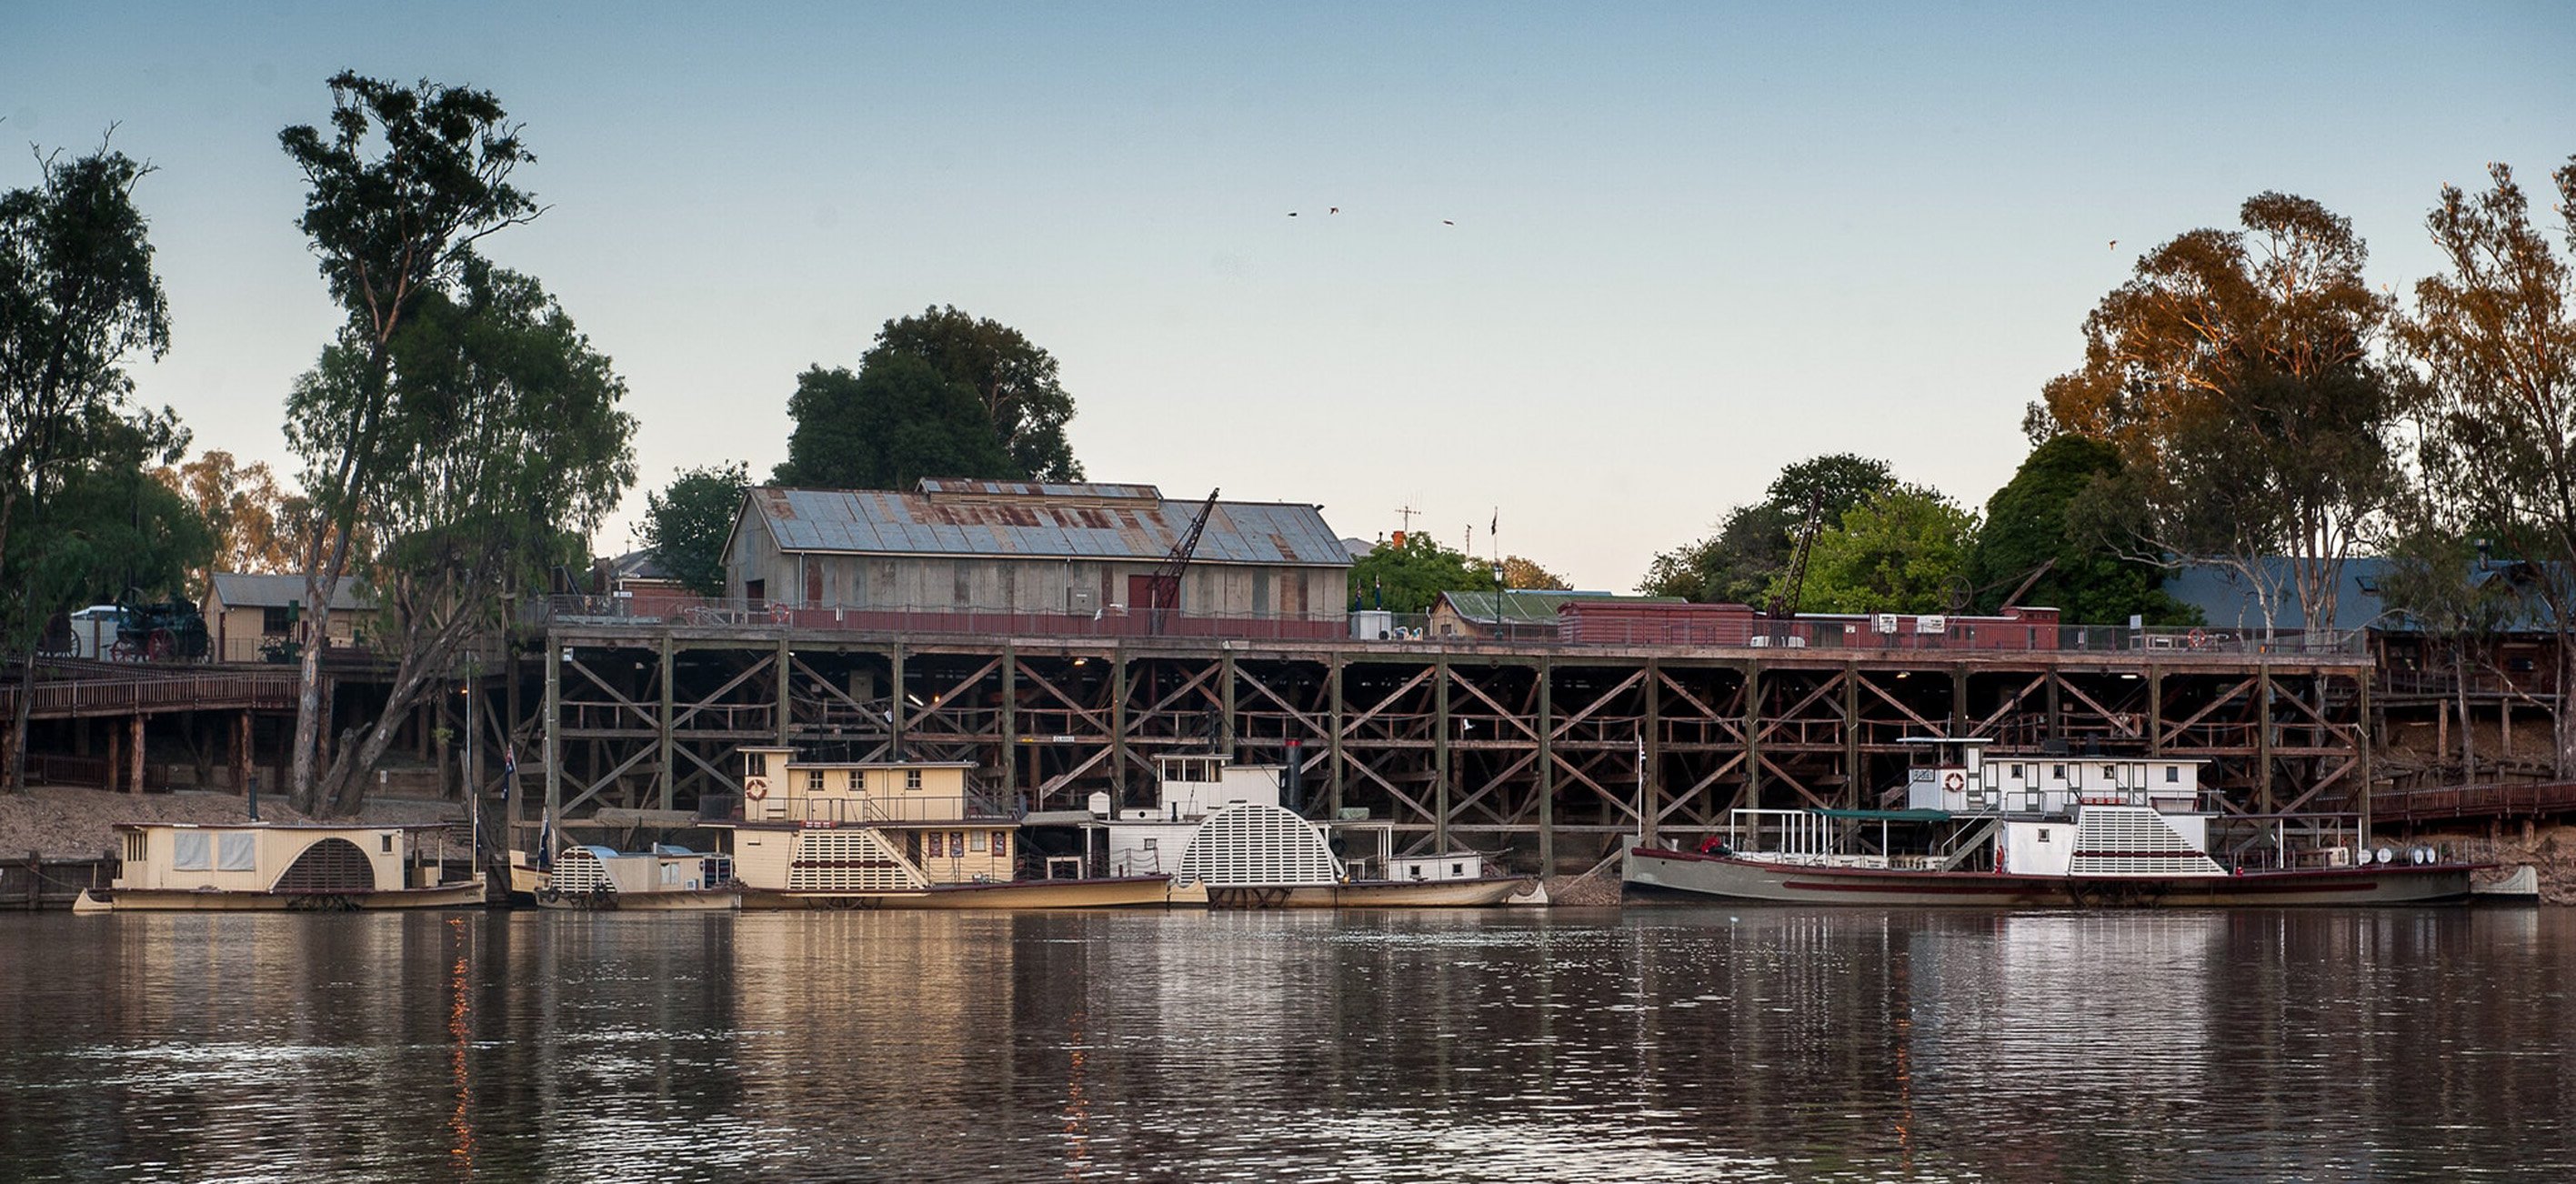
(1397, 631)
(188, 691)
(2499, 800)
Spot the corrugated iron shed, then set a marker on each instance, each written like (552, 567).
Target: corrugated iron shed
(1024, 520)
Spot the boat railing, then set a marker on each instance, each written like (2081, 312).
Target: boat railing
(874, 811)
(1791, 836)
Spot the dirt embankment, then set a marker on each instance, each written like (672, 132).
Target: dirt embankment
(78, 823)
(2551, 852)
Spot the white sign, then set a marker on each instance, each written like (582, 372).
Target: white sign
(1931, 624)
(1884, 622)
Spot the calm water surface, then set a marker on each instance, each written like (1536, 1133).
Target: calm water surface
(1662, 1044)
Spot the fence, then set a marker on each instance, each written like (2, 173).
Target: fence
(2476, 801)
(35, 882)
(1396, 630)
(139, 696)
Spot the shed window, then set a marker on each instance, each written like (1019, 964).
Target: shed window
(275, 620)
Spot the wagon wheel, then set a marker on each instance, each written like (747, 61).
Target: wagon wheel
(160, 645)
(121, 650)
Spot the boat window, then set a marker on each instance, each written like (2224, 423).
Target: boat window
(912, 779)
(1150, 844)
(956, 842)
(938, 845)
(2016, 772)
(2110, 773)
(2043, 834)
(385, 842)
(1001, 844)
(2057, 772)
(2172, 773)
(813, 781)
(975, 840)
(756, 764)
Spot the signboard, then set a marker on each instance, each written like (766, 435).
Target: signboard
(1931, 624)
(1884, 622)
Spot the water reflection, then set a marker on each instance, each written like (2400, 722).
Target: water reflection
(1666, 1044)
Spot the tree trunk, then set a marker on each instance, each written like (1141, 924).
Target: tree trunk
(18, 714)
(2460, 691)
(310, 710)
(2566, 719)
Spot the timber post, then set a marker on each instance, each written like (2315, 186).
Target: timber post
(670, 775)
(556, 656)
(1333, 743)
(1440, 754)
(1546, 766)
(1011, 725)
(1650, 755)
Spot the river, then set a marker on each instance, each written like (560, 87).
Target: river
(1667, 1043)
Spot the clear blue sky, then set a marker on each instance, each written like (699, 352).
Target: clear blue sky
(1693, 242)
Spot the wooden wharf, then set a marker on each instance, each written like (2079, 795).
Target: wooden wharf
(1552, 751)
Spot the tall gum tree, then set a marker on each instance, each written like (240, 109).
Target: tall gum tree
(2236, 373)
(78, 297)
(401, 183)
(504, 445)
(2494, 343)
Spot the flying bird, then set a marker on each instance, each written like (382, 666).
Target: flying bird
(1292, 213)
(1446, 222)
(1334, 210)
(2115, 244)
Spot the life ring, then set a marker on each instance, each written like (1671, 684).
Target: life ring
(756, 790)
(1953, 782)
(2197, 639)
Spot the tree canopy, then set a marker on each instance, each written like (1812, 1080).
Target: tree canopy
(502, 449)
(1901, 551)
(2493, 345)
(941, 394)
(78, 297)
(1408, 576)
(686, 523)
(2236, 375)
(893, 423)
(2029, 536)
(403, 184)
(1753, 544)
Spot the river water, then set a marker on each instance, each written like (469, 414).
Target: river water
(1669, 1043)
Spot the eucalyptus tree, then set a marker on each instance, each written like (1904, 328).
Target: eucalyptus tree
(503, 445)
(686, 523)
(401, 183)
(2494, 342)
(78, 297)
(2237, 375)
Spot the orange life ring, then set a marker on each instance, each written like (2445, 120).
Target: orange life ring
(756, 790)
(1953, 781)
(2198, 639)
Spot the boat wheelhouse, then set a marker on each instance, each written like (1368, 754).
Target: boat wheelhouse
(187, 867)
(908, 834)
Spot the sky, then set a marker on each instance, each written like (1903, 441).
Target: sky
(1599, 271)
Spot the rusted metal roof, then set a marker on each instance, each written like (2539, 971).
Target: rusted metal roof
(1020, 519)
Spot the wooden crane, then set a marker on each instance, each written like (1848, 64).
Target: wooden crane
(1784, 603)
(1166, 584)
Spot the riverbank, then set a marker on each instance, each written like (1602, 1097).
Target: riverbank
(65, 823)
(2551, 852)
